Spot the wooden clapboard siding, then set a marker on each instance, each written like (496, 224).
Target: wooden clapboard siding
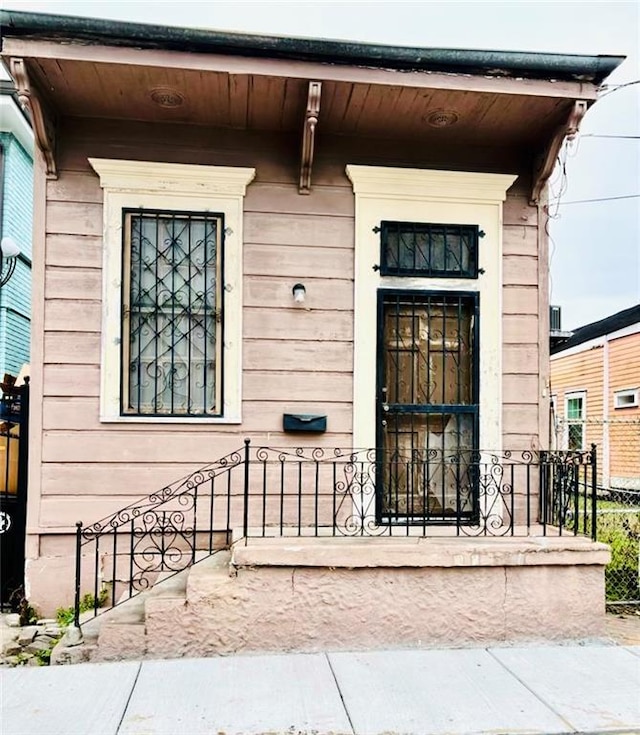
(520, 300)
(74, 218)
(624, 429)
(520, 270)
(112, 479)
(624, 370)
(288, 229)
(73, 283)
(298, 356)
(143, 447)
(297, 324)
(521, 393)
(71, 380)
(274, 292)
(295, 359)
(582, 371)
(519, 239)
(290, 354)
(81, 348)
(602, 368)
(82, 413)
(292, 386)
(296, 262)
(72, 315)
(73, 251)
(284, 198)
(517, 418)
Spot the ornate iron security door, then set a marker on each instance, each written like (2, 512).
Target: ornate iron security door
(427, 407)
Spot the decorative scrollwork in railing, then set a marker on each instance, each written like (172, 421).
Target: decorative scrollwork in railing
(316, 491)
(182, 487)
(163, 541)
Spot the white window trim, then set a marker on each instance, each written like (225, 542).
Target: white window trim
(583, 421)
(174, 187)
(419, 195)
(624, 393)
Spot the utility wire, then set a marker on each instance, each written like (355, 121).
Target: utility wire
(602, 199)
(611, 88)
(598, 135)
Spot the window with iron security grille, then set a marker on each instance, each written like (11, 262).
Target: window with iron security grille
(429, 250)
(172, 314)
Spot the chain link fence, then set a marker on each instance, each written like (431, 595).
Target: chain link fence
(618, 508)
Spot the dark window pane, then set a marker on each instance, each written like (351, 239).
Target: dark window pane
(444, 251)
(172, 314)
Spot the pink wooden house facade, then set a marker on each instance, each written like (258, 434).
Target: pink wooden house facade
(187, 183)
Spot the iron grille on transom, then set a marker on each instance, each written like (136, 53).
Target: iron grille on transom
(172, 313)
(425, 249)
(428, 405)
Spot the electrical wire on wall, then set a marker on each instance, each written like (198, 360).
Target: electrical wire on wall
(559, 183)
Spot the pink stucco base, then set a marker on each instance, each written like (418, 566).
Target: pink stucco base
(330, 594)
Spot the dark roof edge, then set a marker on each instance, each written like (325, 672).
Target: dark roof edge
(570, 67)
(608, 325)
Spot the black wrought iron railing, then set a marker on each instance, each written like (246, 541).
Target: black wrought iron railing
(269, 492)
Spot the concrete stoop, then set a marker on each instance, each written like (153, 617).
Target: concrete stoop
(327, 594)
(123, 632)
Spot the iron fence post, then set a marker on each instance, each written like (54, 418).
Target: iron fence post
(76, 608)
(544, 489)
(594, 497)
(245, 516)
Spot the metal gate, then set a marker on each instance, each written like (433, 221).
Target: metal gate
(14, 441)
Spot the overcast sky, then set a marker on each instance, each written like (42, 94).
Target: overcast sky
(595, 262)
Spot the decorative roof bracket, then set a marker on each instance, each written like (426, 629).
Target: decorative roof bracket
(547, 161)
(308, 136)
(41, 118)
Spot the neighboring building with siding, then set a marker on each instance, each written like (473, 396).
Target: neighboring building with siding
(16, 192)
(190, 186)
(595, 384)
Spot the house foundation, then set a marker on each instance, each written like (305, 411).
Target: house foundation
(342, 594)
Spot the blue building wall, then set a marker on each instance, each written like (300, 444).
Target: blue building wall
(17, 216)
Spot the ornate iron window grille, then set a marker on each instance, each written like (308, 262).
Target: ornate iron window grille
(172, 318)
(429, 250)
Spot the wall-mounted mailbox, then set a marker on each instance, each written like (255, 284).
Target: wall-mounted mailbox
(304, 422)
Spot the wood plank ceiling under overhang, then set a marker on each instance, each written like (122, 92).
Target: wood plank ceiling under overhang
(256, 102)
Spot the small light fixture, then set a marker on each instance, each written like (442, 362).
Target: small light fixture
(299, 292)
(9, 252)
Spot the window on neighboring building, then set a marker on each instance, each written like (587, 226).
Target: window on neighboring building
(172, 313)
(575, 415)
(429, 250)
(628, 398)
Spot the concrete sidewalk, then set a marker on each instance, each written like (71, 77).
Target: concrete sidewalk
(550, 689)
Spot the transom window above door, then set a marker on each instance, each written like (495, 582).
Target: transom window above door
(429, 249)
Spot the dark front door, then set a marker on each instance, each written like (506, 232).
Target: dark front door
(427, 405)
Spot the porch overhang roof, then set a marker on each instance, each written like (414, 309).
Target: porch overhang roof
(93, 68)
(96, 31)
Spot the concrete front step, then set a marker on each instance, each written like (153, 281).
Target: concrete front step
(120, 632)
